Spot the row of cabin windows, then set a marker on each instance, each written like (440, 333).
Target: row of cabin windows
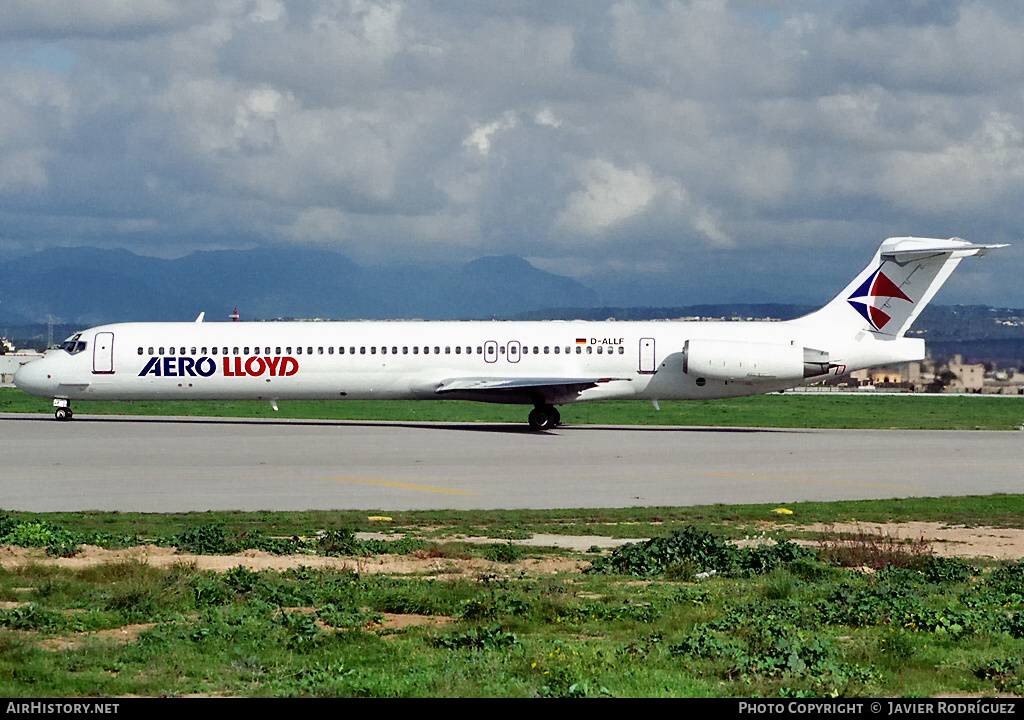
(287, 350)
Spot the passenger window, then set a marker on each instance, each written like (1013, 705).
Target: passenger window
(182, 351)
(373, 350)
(590, 349)
(426, 350)
(214, 350)
(298, 351)
(415, 349)
(362, 350)
(351, 351)
(161, 351)
(192, 351)
(234, 351)
(309, 351)
(557, 348)
(622, 350)
(224, 351)
(394, 351)
(341, 350)
(330, 350)
(151, 351)
(448, 350)
(578, 350)
(384, 350)
(288, 350)
(245, 350)
(458, 350)
(277, 351)
(405, 350)
(204, 351)
(599, 352)
(319, 351)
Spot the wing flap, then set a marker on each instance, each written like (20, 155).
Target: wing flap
(498, 385)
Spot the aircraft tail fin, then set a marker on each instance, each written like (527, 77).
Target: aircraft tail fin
(889, 294)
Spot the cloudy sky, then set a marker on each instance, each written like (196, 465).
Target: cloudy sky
(705, 150)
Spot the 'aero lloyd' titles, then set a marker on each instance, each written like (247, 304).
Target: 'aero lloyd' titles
(175, 366)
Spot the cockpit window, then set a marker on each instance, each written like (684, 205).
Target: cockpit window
(74, 344)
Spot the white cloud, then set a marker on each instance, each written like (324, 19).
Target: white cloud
(612, 196)
(609, 196)
(481, 133)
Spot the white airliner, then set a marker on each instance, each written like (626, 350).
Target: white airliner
(543, 364)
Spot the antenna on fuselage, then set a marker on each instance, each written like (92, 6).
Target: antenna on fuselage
(234, 315)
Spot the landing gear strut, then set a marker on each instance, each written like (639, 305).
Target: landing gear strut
(544, 417)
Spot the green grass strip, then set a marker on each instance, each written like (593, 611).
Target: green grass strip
(789, 410)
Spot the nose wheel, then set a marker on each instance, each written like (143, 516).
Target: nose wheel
(544, 417)
(63, 411)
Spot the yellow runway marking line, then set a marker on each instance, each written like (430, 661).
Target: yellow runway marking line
(403, 486)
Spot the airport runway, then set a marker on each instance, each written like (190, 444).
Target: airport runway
(180, 464)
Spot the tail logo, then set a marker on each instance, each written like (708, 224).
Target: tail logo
(876, 286)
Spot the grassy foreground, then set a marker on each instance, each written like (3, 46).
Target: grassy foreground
(791, 410)
(683, 614)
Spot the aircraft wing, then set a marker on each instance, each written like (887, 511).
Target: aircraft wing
(497, 386)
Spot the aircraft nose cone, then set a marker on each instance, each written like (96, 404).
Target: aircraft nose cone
(32, 378)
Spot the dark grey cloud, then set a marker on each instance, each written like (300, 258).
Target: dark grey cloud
(602, 139)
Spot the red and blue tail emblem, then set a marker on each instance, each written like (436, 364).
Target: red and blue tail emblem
(876, 286)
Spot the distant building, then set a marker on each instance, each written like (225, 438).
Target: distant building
(969, 377)
(11, 361)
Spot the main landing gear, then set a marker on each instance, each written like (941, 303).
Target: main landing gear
(544, 417)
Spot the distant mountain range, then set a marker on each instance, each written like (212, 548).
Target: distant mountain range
(88, 286)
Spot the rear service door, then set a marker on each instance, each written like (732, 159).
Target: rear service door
(647, 360)
(103, 353)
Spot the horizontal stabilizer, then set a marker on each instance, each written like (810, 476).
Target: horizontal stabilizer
(904, 250)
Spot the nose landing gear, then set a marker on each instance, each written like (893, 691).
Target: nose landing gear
(63, 411)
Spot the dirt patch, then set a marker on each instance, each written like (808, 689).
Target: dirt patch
(257, 560)
(946, 540)
(393, 621)
(386, 622)
(123, 634)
